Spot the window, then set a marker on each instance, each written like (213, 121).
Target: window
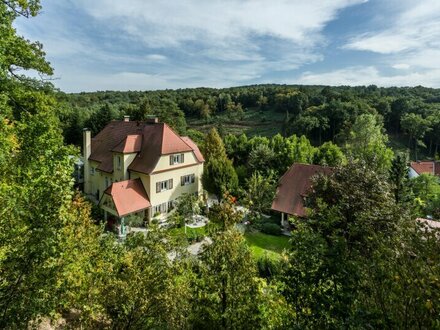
(92, 171)
(164, 185)
(106, 182)
(187, 179)
(161, 208)
(177, 159)
(170, 206)
(119, 163)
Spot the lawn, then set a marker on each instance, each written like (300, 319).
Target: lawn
(261, 244)
(190, 232)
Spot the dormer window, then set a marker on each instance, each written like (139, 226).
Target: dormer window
(176, 159)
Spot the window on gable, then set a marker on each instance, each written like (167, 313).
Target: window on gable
(119, 162)
(92, 171)
(187, 179)
(177, 159)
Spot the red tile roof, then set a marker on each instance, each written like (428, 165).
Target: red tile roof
(149, 140)
(293, 186)
(194, 147)
(131, 144)
(128, 196)
(422, 167)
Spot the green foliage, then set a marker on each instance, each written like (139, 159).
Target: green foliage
(416, 127)
(224, 215)
(350, 262)
(271, 229)
(366, 141)
(219, 177)
(259, 193)
(329, 154)
(426, 192)
(213, 146)
(147, 289)
(226, 288)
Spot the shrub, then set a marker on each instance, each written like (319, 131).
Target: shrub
(268, 267)
(271, 228)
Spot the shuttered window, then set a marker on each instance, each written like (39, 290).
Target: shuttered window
(164, 185)
(177, 159)
(187, 179)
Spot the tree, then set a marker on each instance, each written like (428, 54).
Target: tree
(259, 193)
(350, 263)
(367, 141)
(416, 127)
(147, 289)
(226, 289)
(219, 177)
(399, 177)
(261, 158)
(213, 147)
(329, 154)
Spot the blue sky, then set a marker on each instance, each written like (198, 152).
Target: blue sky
(159, 44)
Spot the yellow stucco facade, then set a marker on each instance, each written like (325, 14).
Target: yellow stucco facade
(184, 175)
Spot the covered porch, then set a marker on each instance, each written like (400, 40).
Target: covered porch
(124, 203)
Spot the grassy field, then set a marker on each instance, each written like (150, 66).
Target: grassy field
(261, 244)
(254, 122)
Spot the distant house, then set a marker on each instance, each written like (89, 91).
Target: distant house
(140, 168)
(293, 187)
(424, 167)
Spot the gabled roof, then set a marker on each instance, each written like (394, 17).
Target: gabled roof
(195, 148)
(293, 186)
(128, 196)
(423, 167)
(150, 140)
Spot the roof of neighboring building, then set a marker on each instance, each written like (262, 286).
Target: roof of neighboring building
(149, 140)
(129, 196)
(293, 186)
(422, 167)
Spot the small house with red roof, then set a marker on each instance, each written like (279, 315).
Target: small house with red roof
(292, 189)
(140, 168)
(424, 167)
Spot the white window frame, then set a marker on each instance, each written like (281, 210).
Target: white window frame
(164, 185)
(177, 159)
(187, 179)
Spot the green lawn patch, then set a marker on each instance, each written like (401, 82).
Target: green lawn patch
(190, 232)
(261, 244)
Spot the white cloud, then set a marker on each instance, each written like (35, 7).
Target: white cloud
(161, 23)
(413, 29)
(370, 75)
(401, 66)
(156, 57)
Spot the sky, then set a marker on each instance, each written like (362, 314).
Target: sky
(160, 44)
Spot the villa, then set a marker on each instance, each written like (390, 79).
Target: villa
(140, 168)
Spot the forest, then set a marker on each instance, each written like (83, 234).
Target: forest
(359, 261)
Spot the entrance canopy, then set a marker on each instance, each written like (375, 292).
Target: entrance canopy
(128, 197)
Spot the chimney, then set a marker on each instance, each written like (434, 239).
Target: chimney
(126, 118)
(87, 147)
(151, 119)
